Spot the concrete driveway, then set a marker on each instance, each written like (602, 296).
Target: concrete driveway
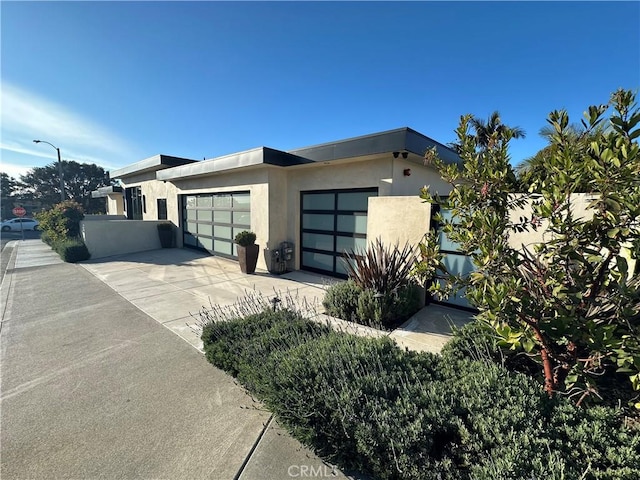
(172, 285)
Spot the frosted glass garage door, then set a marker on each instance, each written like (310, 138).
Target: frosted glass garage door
(212, 220)
(333, 221)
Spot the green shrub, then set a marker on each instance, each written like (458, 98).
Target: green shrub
(245, 238)
(371, 406)
(237, 346)
(46, 238)
(61, 230)
(72, 250)
(62, 221)
(390, 310)
(349, 301)
(341, 299)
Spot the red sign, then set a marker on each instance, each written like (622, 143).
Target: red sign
(19, 211)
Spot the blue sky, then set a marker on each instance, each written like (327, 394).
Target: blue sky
(113, 83)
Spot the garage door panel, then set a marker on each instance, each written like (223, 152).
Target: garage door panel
(318, 241)
(204, 201)
(350, 243)
(242, 201)
(205, 216)
(316, 221)
(242, 218)
(320, 261)
(354, 201)
(205, 229)
(222, 200)
(352, 223)
(221, 216)
(318, 201)
(223, 247)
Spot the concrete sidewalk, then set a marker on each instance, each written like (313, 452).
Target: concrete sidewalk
(93, 387)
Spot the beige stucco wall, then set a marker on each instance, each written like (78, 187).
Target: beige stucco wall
(152, 191)
(420, 176)
(115, 204)
(579, 206)
(398, 219)
(105, 238)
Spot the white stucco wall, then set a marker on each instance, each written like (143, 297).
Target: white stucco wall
(105, 238)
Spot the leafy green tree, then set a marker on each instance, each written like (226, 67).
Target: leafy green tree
(532, 171)
(488, 133)
(80, 179)
(570, 302)
(9, 187)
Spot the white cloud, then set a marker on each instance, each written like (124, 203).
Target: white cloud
(27, 116)
(13, 170)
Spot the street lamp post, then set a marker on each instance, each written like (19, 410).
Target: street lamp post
(62, 195)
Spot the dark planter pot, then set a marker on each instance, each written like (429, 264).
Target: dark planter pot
(248, 258)
(166, 238)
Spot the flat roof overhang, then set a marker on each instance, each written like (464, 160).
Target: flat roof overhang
(103, 192)
(248, 158)
(151, 164)
(399, 140)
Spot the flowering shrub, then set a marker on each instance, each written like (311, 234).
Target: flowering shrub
(61, 230)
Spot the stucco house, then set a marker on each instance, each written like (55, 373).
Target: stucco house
(315, 201)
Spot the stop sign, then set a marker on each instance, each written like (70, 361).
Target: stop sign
(19, 211)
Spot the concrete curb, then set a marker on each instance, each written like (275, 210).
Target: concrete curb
(7, 281)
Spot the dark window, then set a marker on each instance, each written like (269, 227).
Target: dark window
(162, 209)
(133, 197)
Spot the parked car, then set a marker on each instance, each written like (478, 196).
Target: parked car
(17, 224)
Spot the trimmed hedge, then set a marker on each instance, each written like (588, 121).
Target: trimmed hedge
(72, 250)
(368, 405)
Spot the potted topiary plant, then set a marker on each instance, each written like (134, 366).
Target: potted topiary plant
(248, 251)
(165, 232)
